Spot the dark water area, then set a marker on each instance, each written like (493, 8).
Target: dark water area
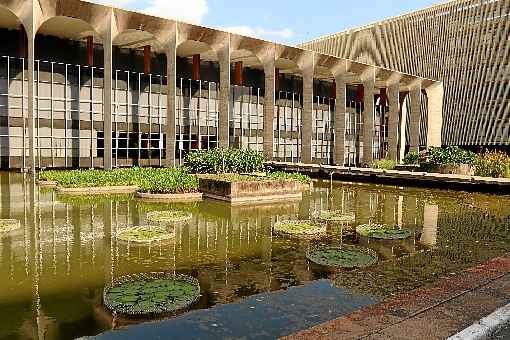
(53, 269)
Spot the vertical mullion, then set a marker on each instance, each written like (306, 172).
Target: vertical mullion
(65, 116)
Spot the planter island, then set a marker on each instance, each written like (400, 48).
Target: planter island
(244, 189)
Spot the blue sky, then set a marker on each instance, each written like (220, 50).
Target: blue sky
(285, 21)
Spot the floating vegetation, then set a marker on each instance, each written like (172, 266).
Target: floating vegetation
(383, 232)
(151, 293)
(299, 228)
(344, 256)
(144, 234)
(334, 216)
(9, 224)
(169, 216)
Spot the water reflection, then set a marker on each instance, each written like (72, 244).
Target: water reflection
(54, 268)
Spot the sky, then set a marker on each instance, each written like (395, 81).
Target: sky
(284, 21)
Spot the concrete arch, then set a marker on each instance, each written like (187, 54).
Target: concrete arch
(21, 11)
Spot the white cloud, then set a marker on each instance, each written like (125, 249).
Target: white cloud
(191, 11)
(259, 32)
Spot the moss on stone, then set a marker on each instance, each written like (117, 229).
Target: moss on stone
(168, 216)
(144, 234)
(345, 256)
(383, 232)
(299, 228)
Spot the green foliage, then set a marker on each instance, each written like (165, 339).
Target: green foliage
(144, 234)
(143, 294)
(335, 216)
(222, 160)
(345, 256)
(290, 176)
(449, 155)
(168, 216)
(383, 232)
(166, 180)
(385, 164)
(412, 158)
(492, 164)
(297, 228)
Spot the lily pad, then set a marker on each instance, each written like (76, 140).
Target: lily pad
(145, 234)
(168, 216)
(9, 224)
(299, 228)
(151, 293)
(334, 216)
(344, 256)
(383, 232)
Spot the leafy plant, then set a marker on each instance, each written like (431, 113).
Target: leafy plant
(386, 164)
(412, 158)
(335, 216)
(449, 155)
(297, 227)
(152, 293)
(344, 256)
(492, 164)
(382, 231)
(144, 234)
(168, 216)
(167, 181)
(223, 160)
(296, 176)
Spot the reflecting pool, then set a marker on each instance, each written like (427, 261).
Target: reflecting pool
(53, 269)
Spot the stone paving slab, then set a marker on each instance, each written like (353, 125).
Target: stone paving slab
(432, 312)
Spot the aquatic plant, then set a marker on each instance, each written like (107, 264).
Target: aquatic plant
(299, 228)
(296, 176)
(334, 216)
(144, 234)
(382, 231)
(9, 224)
(224, 160)
(151, 293)
(492, 164)
(168, 216)
(344, 256)
(167, 181)
(385, 164)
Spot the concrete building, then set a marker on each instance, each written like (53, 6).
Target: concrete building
(86, 85)
(463, 43)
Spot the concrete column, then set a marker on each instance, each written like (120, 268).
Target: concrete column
(340, 112)
(403, 124)
(306, 117)
(269, 106)
(392, 94)
(224, 95)
(414, 124)
(171, 72)
(435, 95)
(31, 101)
(108, 94)
(368, 116)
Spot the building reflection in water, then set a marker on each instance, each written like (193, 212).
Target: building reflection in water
(54, 268)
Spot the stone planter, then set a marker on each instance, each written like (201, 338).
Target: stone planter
(461, 169)
(186, 197)
(46, 184)
(98, 190)
(255, 191)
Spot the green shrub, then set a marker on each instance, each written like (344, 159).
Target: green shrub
(412, 158)
(492, 164)
(224, 161)
(386, 164)
(290, 176)
(449, 155)
(167, 181)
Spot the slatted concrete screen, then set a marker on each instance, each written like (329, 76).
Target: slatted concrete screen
(463, 43)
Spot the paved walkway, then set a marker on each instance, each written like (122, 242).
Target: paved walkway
(432, 312)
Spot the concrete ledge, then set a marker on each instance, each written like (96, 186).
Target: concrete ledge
(98, 190)
(424, 179)
(486, 327)
(46, 184)
(192, 196)
(256, 199)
